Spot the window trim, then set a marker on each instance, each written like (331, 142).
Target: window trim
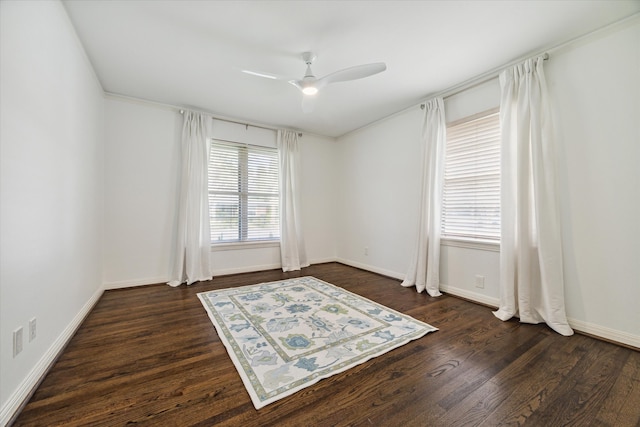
(477, 244)
(469, 242)
(474, 116)
(251, 244)
(243, 219)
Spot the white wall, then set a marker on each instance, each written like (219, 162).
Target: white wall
(378, 195)
(319, 182)
(51, 189)
(142, 159)
(596, 88)
(596, 91)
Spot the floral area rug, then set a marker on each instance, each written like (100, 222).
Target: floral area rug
(287, 335)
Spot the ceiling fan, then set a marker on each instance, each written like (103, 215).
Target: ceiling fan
(309, 85)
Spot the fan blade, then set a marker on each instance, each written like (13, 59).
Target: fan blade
(296, 83)
(353, 73)
(308, 103)
(267, 75)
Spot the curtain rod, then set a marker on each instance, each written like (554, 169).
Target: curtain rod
(485, 77)
(238, 123)
(181, 110)
(213, 116)
(477, 81)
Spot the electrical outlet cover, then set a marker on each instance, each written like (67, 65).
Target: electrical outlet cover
(32, 329)
(17, 341)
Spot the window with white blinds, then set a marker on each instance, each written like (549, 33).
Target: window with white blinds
(243, 193)
(471, 196)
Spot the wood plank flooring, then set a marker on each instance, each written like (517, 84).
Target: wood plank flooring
(150, 356)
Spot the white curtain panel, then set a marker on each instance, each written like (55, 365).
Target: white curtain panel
(192, 253)
(531, 274)
(424, 269)
(292, 247)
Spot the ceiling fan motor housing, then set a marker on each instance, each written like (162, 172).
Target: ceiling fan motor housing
(309, 57)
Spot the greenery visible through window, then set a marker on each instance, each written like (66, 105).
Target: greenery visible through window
(243, 193)
(471, 196)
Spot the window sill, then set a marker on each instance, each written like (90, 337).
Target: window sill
(483, 245)
(215, 247)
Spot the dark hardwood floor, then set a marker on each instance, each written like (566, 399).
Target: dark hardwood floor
(150, 356)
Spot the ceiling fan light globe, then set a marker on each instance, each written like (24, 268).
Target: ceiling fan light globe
(310, 90)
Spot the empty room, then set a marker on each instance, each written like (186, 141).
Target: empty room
(319, 213)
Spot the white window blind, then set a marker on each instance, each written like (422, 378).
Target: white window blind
(471, 196)
(243, 193)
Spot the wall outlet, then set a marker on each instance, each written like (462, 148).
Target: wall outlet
(32, 329)
(366, 250)
(479, 281)
(17, 341)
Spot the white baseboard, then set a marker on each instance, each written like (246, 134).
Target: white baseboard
(606, 333)
(384, 272)
(470, 295)
(323, 260)
(19, 397)
(246, 269)
(219, 272)
(132, 283)
(253, 268)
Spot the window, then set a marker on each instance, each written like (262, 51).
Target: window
(243, 193)
(471, 196)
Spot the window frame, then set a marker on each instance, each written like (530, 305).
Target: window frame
(244, 151)
(470, 242)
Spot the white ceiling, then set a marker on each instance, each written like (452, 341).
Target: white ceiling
(190, 53)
